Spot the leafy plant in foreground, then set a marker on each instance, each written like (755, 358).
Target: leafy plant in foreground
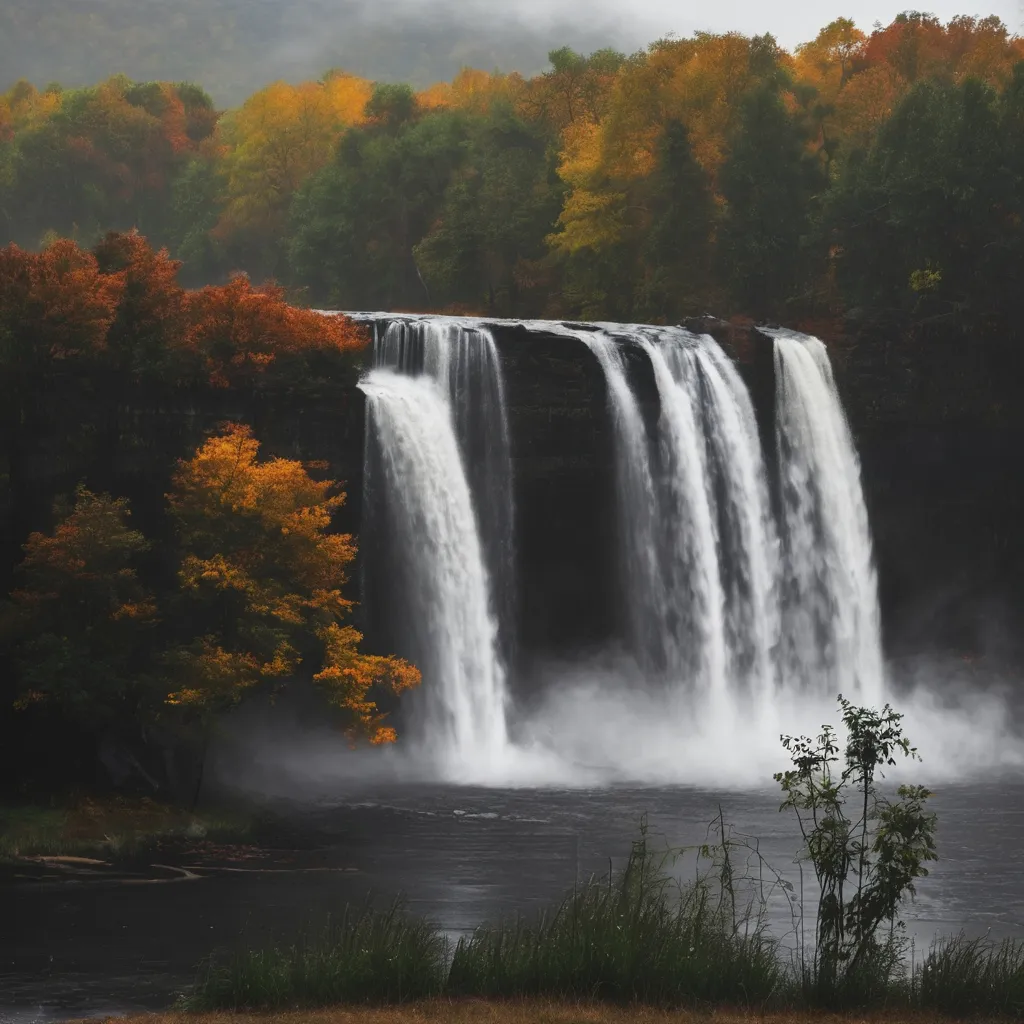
(867, 850)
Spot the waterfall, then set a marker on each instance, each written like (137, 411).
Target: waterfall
(732, 612)
(829, 590)
(644, 599)
(463, 358)
(689, 540)
(722, 444)
(698, 539)
(444, 580)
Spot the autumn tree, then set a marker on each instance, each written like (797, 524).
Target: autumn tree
(243, 336)
(827, 64)
(273, 143)
(575, 89)
(262, 577)
(79, 622)
(105, 157)
(150, 326)
(614, 169)
(56, 309)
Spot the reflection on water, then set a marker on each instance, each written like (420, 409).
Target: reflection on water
(461, 856)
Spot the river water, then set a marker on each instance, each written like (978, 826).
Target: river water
(461, 856)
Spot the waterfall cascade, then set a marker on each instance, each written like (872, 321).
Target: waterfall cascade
(463, 358)
(722, 615)
(645, 601)
(438, 444)
(699, 541)
(727, 609)
(829, 591)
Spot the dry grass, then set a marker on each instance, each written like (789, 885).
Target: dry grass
(480, 1011)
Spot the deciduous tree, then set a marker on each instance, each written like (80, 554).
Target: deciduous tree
(262, 579)
(79, 621)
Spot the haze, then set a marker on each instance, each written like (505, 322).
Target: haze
(234, 47)
(790, 23)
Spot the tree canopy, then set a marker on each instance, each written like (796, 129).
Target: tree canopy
(716, 172)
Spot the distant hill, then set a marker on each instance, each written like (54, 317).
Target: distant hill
(233, 47)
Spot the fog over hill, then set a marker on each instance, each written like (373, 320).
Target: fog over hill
(234, 47)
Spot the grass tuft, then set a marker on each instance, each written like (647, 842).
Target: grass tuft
(636, 939)
(974, 977)
(639, 938)
(368, 956)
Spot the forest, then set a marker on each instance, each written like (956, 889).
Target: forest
(867, 172)
(164, 259)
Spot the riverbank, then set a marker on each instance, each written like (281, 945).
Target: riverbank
(480, 1011)
(112, 830)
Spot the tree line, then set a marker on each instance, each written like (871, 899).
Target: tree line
(718, 173)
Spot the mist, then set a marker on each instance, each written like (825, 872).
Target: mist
(598, 722)
(234, 47)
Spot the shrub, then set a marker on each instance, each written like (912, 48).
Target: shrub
(865, 862)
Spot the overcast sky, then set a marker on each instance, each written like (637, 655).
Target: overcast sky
(790, 23)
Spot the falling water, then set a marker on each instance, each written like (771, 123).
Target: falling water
(699, 545)
(445, 578)
(689, 541)
(644, 599)
(463, 358)
(730, 612)
(829, 598)
(721, 444)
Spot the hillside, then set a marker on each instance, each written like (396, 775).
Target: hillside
(236, 46)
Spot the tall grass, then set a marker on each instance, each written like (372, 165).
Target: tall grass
(636, 937)
(639, 938)
(366, 956)
(973, 977)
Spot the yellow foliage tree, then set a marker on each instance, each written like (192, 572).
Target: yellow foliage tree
(828, 61)
(277, 139)
(471, 90)
(607, 159)
(263, 579)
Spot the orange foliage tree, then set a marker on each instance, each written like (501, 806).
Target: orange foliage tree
(239, 332)
(56, 309)
(151, 323)
(262, 581)
(55, 305)
(79, 622)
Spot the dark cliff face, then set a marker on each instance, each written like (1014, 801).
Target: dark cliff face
(940, 437)
(564, 488)
(940, 432)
